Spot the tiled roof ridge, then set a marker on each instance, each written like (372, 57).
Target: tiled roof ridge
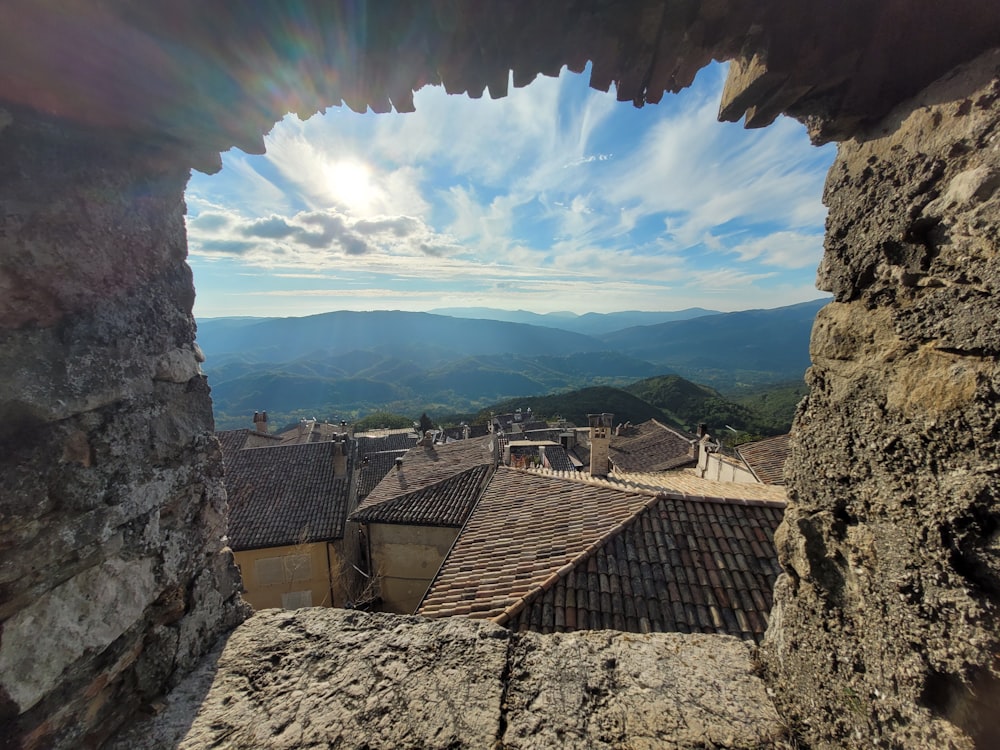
(285, 444)
(675, 430)
(583, 478)
(400, 499)
(624, 484)
(419, 457)
(514, 609)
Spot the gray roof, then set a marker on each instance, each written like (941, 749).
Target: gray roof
(284, 495)
(446, 503)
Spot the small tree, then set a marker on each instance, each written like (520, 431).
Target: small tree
(425, 423)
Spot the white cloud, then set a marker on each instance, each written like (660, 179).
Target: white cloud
(785, 249)
(567, 198)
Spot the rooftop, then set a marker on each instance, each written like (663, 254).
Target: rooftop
(285, 494)
(424, 466)
(682, 481)
(577, 553)
(681, 564)
(766, 458)
(525, 528)
(446, 503)
(652, 446)
(235, 440)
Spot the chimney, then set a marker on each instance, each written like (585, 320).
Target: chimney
(600, 443)
(399, 464)
(568, 440)
(260, 422)
(339, 456)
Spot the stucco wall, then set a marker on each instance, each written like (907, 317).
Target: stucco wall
(406, 558)
(304, 567)
(723, 469)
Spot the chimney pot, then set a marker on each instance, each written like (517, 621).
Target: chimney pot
(600, 443)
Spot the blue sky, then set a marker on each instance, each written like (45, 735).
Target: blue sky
(555, 198)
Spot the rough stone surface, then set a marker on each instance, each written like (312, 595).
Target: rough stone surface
(217, 75)
(323, 678)
(113, 577)
(885, 629)
(604, 689)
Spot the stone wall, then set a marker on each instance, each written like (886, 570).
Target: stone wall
(113, 576)
(317, 678)
(885, 630)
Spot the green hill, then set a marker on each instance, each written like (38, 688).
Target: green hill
(775, 404)
(576, 405)
(692, 404)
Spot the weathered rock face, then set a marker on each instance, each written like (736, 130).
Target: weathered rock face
(885, 629)
(332, 678)
(113, 576)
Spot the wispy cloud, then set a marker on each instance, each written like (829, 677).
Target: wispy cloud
(557, 197)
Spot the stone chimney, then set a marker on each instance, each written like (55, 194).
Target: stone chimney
(339, 456)
(600, 443)
(260, 422)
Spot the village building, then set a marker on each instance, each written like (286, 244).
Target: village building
(558, 552)
(651, 446)
(410, 520)
(288, 505)
(762, 461)
(377, 454)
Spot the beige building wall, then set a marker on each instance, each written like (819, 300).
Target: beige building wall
(292, 576)
(721, 468)
(407, 558)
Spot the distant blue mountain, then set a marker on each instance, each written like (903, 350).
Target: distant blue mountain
(590, 324)
(284, 339)
(343, 361)
(775, 340)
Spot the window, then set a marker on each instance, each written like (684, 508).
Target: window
(284, 569)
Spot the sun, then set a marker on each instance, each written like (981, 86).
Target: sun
(351, 185)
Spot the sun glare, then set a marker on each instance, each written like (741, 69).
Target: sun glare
(351, 184)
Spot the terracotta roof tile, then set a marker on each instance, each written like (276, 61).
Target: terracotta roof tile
(523, 531)
(766, 458)
(434, 485)
(232, 441)
(235, 440)
(446, 503)
(422, 468)
(652, 446)
(684, 481)
(285, 494)
(649, 563)
(373, 468)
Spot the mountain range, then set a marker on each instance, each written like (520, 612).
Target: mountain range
(347, 363)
